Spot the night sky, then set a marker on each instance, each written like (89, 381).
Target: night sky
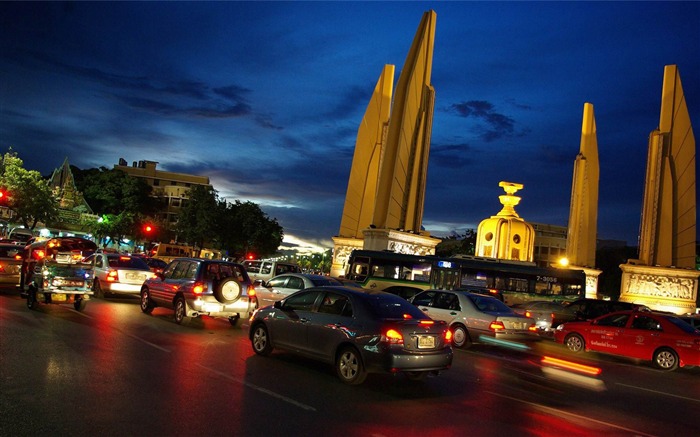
(266, 98)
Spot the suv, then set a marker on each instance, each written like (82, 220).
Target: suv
(55, 271)
(195, 287)
(589, 309)
(264, 270)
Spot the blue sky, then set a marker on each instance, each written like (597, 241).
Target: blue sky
(265, 98)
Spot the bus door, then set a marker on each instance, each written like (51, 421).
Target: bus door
(445, 276)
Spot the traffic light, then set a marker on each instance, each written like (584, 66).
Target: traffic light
(147, 228)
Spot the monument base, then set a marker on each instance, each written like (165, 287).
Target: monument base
(591, 280)
(660, 288)
(342, 247)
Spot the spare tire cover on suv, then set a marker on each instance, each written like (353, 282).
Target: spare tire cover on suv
(228, 291)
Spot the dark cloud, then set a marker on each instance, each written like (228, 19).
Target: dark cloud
(499, 125)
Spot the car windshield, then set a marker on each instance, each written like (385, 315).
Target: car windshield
(127, 262)
(389, 306)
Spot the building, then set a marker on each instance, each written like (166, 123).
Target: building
(550, 244)
(170, 188)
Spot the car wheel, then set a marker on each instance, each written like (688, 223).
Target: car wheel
(348, 366)
(228, 291)
(146, 303)
(80, 304)
(234, 319)
(460, 337)
(575, 343)
(416, 376)
(261, 340)
(32, 303)
(666, 359)
(180, 310)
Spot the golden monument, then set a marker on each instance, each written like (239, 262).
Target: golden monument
(583, 213)
(506, 235)
(664, 277)
(386, 188)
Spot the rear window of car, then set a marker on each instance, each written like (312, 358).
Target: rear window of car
(685, 326)
(325, 281)
(489, 304)
(389, 306)
(127, 262)
(10, 251)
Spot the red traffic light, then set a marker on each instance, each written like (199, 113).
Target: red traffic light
(148, 229)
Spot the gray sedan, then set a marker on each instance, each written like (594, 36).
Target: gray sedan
(475, 317)
(358, 331)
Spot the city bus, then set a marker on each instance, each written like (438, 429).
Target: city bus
(512, 282)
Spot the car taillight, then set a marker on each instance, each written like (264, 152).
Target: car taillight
(496, 326)
(198, 288)
(528, 314)
(38, 254)
(251, 292)
(532, 328)
(18, 256)
(112, 276)
(426, 322)
(392, 336)
(448, 336)
(407, 316)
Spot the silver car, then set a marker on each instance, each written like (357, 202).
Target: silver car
(118, 273)
(282, 286)
(474, 317)
(358, 331)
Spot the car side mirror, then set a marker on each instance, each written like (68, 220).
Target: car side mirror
(277, 304)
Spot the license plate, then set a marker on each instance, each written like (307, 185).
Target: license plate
(426, 341)
(58, 297)
(517, 325)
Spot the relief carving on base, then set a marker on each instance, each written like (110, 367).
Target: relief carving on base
(660, 286)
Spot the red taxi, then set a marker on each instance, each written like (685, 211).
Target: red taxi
(664, 339)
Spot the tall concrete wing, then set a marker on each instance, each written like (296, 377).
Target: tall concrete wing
(667, 232)
(364, 172)
(403, 172)
(583, 214)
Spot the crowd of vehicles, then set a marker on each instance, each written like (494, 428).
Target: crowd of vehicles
(397, 313)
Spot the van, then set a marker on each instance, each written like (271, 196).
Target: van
(169, 251)
(264, 270)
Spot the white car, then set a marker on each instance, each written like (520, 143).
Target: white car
(282, 286)
(118, 273)
(475, 317)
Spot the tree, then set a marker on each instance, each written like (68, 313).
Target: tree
(457, 244)
(27, 193)
(246, 228)
(198, 222)
(113, 191)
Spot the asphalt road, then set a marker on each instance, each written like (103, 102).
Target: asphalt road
(112, 370)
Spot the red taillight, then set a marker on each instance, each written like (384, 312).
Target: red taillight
(38, 254)
(251, 292)
(112, 276)
(426, 322)
(124, 258)
(392, 336)
(528, 314)
(448, 336)
(18, 256)
(407, 316)
(532, 328)
(198, 288)
(497, 326)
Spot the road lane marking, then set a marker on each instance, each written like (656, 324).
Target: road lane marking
(260, 389)
(577, 416)
(659, 392)
(126, 333)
